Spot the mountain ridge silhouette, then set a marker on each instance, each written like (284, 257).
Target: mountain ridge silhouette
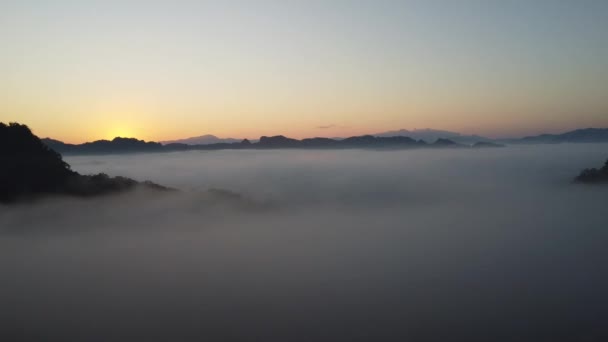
(372, 141)
(205, 139)
(130, 145)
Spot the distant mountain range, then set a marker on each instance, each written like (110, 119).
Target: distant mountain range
(130, 145)
(586, 135)
(427, 134)
(430, 135)
(206, 139)
(391, 139)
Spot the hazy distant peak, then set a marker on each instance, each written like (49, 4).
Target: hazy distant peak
(583, 135)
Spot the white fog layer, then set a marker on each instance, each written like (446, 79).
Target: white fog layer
(346, 245)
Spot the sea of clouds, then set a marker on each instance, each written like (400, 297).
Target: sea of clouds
(305, 245)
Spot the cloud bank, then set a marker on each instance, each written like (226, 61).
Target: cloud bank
(419, 245)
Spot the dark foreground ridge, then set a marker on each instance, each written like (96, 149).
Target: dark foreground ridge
(594, 176)
(30, 169)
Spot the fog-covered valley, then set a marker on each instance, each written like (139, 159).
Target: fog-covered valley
(305, 245)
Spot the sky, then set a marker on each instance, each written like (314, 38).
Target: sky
(159, 70)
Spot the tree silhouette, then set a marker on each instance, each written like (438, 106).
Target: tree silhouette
(594, 175)
(29, 168)
(28, 165)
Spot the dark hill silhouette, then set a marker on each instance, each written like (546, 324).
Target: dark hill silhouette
(319, 143)
(29, 168)
(594, 176)
(377, 142)
(206, 139)
(116, 145)
(446, 143)
(278, 141)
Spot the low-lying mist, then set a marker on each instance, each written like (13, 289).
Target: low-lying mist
(303, 245)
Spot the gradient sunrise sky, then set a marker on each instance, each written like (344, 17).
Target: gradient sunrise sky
(159, 70)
